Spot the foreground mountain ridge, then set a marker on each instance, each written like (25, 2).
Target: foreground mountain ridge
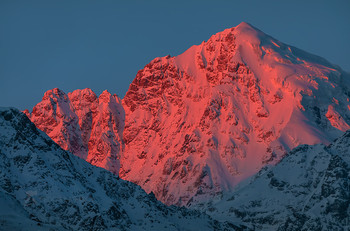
(43, 187)
(198, 124)
(308, 190)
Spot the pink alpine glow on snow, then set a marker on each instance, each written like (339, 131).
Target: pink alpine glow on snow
(88, 126)
(200, 123)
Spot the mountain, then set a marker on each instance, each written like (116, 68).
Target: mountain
(308, 190)
(89, 126)
(43, 187)
(198, 124)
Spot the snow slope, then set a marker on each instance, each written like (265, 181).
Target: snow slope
(308, 190)
(43, 187)
(198, 124)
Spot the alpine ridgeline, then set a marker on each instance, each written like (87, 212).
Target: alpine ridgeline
(198, 124)
(91, 127)
(43, 187)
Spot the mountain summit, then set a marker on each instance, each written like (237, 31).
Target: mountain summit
(199, 123)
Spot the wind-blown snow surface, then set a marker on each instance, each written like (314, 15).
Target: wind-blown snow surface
(43, 187)
(91, 127)
(308, 190)
(199, 123)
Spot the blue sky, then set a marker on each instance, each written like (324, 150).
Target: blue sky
(102, 44)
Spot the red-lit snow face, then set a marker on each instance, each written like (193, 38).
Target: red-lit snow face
(214, 115)
(203, 121)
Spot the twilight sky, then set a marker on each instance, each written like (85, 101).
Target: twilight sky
(102, 44)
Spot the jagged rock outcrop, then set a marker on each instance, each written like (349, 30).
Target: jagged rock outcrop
(88, 126)
(43, 187)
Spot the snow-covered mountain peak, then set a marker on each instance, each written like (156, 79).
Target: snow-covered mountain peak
(245, 25)
(247, 33)
(201, 122)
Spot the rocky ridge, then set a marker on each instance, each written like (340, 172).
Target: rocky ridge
(198, 124)
(43, 187)
(89, 126)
